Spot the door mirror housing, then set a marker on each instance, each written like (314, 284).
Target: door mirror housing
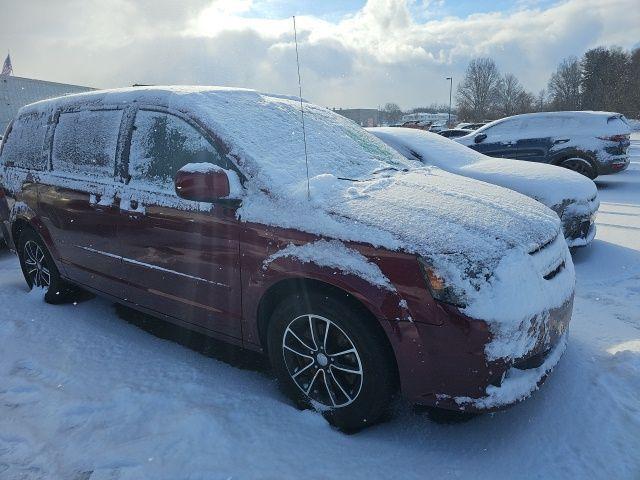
(206, 182)
(480, 138)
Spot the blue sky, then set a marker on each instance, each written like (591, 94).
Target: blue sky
(335, 9)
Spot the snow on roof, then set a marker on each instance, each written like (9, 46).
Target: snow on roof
(263, 131)
(574, 120)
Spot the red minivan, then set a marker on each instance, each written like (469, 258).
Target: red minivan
(359, 272)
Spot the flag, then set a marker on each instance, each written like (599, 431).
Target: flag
(7, 69)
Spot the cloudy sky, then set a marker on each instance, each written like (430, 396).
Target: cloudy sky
(353, 53)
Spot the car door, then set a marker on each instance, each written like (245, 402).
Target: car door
(181, 257)
(76, 197)
(498, 140)
(537, 138)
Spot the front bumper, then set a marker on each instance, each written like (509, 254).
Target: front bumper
(517, 384)
(450, 368)
(579, 232)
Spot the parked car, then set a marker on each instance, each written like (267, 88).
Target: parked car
(590, 143)
(355, 270)
(417, 124)
(471, 126)
(437, 127)
(453, 132)
(572, 196)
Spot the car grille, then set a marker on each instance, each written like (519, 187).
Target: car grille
(549, 259)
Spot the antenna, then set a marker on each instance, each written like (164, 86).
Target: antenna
(304, 133)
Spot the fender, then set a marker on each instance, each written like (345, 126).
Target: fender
(385, 304)
(23, 214)
(557, 156)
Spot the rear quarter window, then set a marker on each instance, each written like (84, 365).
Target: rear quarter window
(85, 142)
(24, 145)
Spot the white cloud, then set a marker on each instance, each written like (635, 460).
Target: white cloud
(389, 50)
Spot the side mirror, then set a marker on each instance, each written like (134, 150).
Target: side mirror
(480, 138)
(205, 182)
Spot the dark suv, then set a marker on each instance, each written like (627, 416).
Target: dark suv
(591, 143)
(356, 270)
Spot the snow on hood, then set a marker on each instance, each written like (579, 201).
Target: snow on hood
(548, 184)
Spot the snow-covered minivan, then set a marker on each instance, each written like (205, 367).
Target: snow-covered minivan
(590, 143)
(356, 270)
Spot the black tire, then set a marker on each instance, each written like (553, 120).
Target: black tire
(35, 260)
(581, 166)
(357, 401)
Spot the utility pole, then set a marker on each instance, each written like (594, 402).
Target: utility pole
(450, 88)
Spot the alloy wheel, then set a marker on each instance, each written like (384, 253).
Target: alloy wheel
(36, 265)
(322, 361)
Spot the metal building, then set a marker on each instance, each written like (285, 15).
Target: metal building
(15, 92)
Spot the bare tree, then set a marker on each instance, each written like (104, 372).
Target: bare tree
(392, 113)
(525, 103)
(510, 93)
(564, 85)
(477, 93)
(541, 104)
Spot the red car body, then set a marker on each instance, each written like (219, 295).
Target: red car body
(208, 271)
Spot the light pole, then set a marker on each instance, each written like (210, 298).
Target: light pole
(450, 88)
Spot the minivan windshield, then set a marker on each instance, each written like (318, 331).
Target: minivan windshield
(265, 132)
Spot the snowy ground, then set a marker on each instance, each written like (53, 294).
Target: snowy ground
(86, 395)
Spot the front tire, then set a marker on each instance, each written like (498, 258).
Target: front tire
(39, 269)
(581, 166)
(329, 356)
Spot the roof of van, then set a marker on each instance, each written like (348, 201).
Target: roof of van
(162, 95)
(263, 132)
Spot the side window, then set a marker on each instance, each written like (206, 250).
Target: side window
(504, 129)
(86, 141)
(540, 126)
(161, 144)
(24, 145)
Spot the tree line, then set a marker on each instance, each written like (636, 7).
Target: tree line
(602, 79)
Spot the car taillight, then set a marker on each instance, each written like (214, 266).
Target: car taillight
(616, 138)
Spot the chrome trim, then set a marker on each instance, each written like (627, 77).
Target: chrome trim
(151, 266)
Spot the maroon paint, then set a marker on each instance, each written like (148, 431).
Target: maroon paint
(202, 186)
(209, 271)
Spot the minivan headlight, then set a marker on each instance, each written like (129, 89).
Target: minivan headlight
(440, 289)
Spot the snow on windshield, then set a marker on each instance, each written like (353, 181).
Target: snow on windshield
(266, 134)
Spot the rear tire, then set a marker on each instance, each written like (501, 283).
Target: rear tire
(329, 357)
(581, 166)
(39, 269)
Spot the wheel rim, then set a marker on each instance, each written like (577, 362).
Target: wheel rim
(36, 265)
(322, 361)
(579, 166)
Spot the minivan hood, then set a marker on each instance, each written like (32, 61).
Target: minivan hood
(437, 213)
(494, 247)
